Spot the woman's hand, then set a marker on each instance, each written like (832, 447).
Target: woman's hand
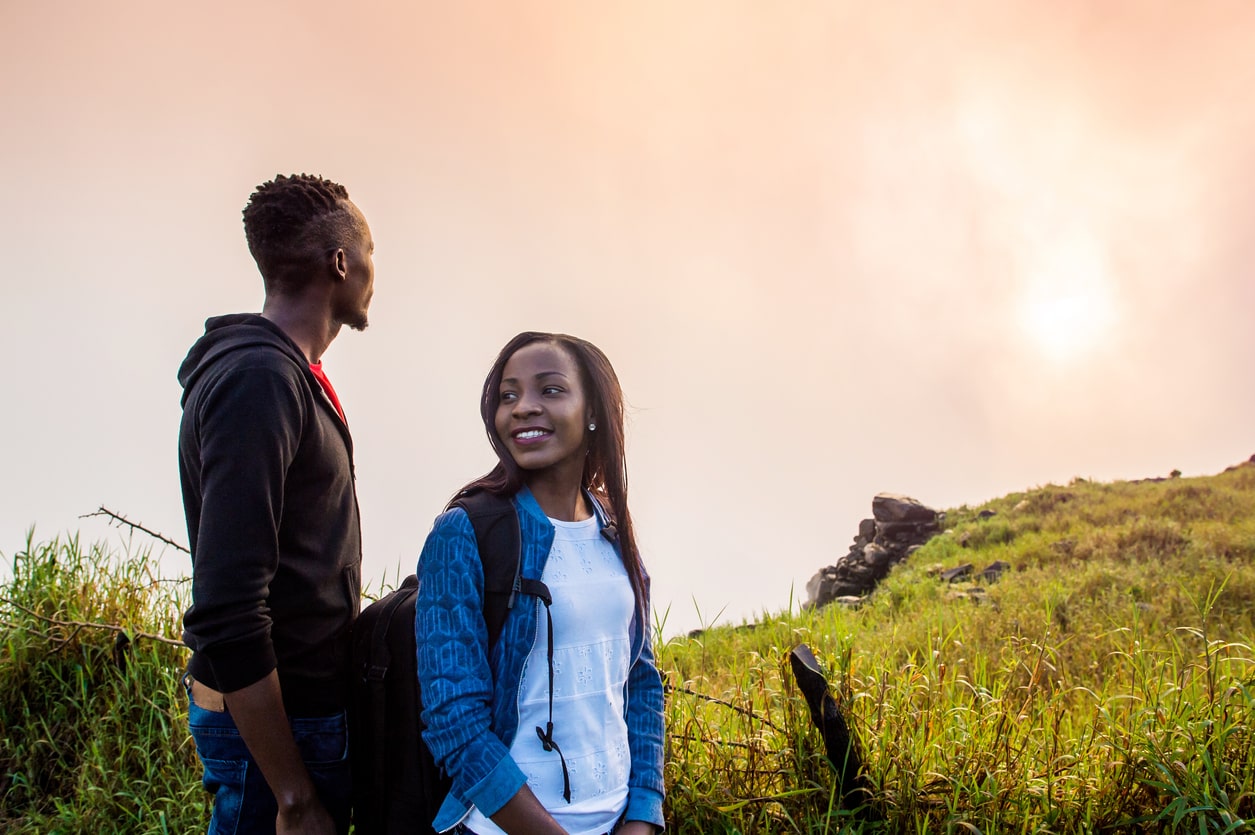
(523, 813)
(636, 828)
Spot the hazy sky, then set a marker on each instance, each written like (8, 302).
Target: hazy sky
(951, 250)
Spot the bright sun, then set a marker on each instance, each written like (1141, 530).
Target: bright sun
(1067, 307)
(1050, 216)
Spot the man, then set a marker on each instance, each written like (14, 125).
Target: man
(266, 464)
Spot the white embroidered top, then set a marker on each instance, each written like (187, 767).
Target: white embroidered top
(592, 618)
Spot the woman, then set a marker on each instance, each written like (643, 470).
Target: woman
(580, 669)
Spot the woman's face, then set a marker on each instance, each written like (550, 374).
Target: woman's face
(543, 414)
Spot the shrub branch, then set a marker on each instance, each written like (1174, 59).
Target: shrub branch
(670, 688)
(80, 625)
(135, 526)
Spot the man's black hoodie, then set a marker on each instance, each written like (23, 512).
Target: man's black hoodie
(266, 466)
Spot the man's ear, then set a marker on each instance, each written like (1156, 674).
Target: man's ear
(340, 264)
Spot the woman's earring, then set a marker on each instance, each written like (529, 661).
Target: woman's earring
(592, 427)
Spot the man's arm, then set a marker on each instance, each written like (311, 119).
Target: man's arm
(249, 437)
(263, 724)
(248, 431)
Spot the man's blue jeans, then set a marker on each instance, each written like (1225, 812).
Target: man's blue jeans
(243, 802)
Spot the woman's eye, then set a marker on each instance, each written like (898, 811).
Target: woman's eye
(507, 396)
(552, 390)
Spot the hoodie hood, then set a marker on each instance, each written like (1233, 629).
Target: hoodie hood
(224, 334)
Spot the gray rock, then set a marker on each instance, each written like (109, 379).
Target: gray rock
(894, 507)
(908, 533)
(994, 571)
(819, 587)
(847, 590)
(876, 556)
(899, 526)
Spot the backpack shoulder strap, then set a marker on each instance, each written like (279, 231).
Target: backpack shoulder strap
(500, 544)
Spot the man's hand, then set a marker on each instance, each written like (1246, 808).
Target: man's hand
(263, 724)
(308, 818)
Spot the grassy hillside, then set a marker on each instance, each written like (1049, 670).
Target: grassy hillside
(1105, 683)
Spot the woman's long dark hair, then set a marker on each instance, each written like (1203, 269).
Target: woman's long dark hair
(605, 468)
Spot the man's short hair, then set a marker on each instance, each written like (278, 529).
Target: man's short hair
(292, 223)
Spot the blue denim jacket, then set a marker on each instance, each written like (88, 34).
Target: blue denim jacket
(469, 722)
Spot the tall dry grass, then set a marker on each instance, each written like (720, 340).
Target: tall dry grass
(1105, 684)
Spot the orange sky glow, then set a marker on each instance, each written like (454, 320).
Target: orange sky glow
(949, 250)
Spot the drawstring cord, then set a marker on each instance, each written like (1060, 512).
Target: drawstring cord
(546, 736)
(541, 591)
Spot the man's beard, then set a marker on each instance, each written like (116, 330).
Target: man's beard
(357, 320)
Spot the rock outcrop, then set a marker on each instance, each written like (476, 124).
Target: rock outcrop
(898, 527)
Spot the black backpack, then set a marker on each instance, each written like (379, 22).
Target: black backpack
(397, 786)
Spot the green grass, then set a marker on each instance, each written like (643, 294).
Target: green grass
(1105, 684)
(94, 734)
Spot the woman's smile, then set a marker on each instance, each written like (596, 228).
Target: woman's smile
(527, 437)
(543, 416)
